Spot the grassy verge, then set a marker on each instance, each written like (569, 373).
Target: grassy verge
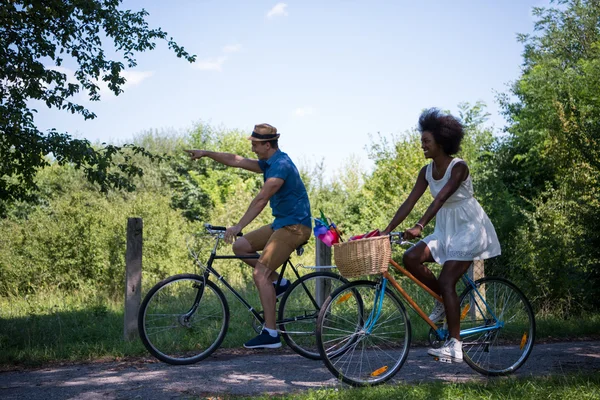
(80, 327)
(580, 387)
(84, 326)
(547, 328)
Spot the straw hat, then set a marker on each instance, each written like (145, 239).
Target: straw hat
(264, 133)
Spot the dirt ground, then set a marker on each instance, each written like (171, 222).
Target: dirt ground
(249, 373)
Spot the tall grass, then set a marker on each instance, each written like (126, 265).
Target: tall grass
(86, 324)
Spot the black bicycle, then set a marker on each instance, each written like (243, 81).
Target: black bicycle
(184, 318)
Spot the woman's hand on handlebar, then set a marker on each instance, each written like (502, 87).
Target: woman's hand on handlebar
(414, 232)
(231, 233)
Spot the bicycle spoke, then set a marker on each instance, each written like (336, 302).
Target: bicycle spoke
(342, 341)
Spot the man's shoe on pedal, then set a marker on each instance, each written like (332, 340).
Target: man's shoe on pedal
(450, 352)
(282, 288)
(264, 341)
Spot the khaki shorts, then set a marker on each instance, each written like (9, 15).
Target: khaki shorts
(277, 245)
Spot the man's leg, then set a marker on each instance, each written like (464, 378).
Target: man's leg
(266, 291)
(268, 338)
(249, 244)
(242, 247)
(281, 244)
(279, 247)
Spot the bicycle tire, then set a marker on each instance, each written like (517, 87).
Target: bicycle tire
(301, 313)
(504, 350)
(352, 354)
(169, 334)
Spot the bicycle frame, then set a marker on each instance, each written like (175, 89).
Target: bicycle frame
(210, 270)
(442, 333)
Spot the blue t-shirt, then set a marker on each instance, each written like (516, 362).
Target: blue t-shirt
(290, 204)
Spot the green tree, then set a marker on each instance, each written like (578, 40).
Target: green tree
(35, 34)
(549, 161)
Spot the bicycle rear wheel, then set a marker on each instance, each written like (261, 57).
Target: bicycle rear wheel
(300, 307)
(503, 350)
(183, 319)
(361, 342)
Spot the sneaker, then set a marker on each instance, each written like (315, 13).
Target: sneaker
(438, 312)
(450, 352)
(264, 341)
(281, 289)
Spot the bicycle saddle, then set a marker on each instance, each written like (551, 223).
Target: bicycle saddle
(300, 249)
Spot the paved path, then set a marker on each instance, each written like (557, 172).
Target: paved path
(240, 373)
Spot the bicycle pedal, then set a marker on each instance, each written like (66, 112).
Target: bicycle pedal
(446, 360)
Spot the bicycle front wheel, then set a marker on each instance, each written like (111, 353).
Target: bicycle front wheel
(496, 303)
(183, 319)
(363, 338)
(300, 307)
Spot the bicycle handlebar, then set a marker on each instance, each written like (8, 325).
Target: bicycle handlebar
(218, 229)
(400, 238)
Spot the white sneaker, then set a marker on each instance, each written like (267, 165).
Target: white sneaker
(450, 352)
(438, 312)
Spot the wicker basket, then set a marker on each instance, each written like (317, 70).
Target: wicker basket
(363, 257)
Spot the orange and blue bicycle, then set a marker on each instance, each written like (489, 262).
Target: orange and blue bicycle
(364, 332)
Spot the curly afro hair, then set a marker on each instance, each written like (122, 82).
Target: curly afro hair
(447, 130)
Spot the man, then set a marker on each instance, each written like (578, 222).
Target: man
(286, 192)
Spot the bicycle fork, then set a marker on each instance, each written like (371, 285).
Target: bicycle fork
(477, 300)
(184, 319)
(377, 305)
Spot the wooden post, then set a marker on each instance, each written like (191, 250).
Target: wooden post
(133, 276)
(477, 271)
(322, 257)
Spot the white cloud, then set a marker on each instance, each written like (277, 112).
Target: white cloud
(216, 64)
(211, 64)
(278, 10)
(134, 78)
(232, 48)
(66, 71)
(304, 111)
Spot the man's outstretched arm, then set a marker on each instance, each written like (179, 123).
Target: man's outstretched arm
(271, 186)
(231, 160)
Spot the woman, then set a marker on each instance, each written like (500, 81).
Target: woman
(463, 232)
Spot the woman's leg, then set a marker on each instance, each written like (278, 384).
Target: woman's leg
(451, 273)
(413, 261)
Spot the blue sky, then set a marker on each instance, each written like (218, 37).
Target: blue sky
(326, 73)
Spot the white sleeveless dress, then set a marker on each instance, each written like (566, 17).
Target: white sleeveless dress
(463, 231)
